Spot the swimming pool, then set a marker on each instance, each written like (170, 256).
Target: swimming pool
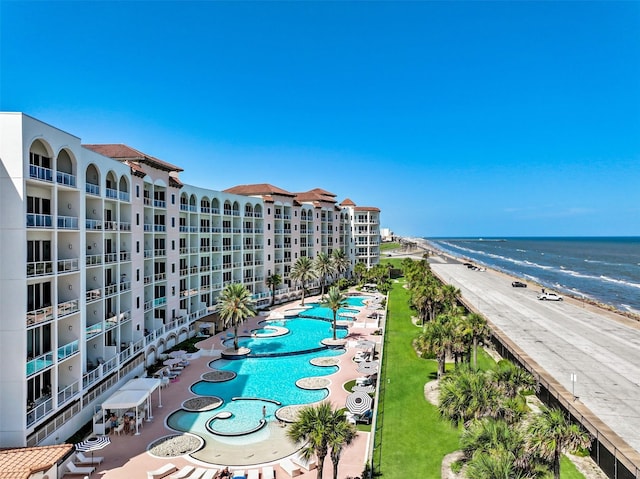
(255, 383)
(304, 336)
(316, 310)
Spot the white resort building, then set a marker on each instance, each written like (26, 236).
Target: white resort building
(107, 259)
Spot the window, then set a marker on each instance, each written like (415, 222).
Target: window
(137, 219)
(173, 267)
(138, 302)
(173, 222)
(137, 246)
(173, 199)
(137, 274)
(137, 191)
(173, 245)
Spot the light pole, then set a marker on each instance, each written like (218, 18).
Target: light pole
(574, 378)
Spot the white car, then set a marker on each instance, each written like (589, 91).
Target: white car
(549, 297)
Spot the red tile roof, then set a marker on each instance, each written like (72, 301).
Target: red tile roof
(316, 194)
(347, 202)
(22, 462)
(123, 152)
(366, 208)
(261, 189)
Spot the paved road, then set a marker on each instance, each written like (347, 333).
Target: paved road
(564, 338)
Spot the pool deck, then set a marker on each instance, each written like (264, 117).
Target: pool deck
(127, 455)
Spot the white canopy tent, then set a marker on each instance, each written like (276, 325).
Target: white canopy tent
(149, 384)
(131, 395)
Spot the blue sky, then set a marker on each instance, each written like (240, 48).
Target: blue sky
(454, 118)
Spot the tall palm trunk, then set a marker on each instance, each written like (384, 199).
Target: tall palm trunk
(235, 336)
(334, 325)
(320, 464)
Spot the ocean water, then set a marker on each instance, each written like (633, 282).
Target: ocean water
(602, 269)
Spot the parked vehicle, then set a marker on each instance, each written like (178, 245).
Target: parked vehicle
(519, 284)
(549, 297)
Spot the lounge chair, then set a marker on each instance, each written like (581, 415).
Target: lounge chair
(119, 428)
(307, 464)
(84, 460)
(268, 472)
(253, 474)
(165, 470)
(289, 467)
(239, 473)
(73, 469)
(198, 473)
(210, 473)
(182, 473)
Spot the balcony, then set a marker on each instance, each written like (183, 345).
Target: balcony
(40, 363)
(39, 315)
(125, 226)
(39, 268)
(93, 259)
(68, 222)
(93, 330)
(125, 256)
(41, 409)
(159, 228)
(123, 196)
(40, 173)
(67, 350)
(160, 252)
(65, 394)
(148, 227)
(111, 290)
(159, 302)
(111, 225)
(93, 189)
(148, 279)
(148, 253)
(205, 209)
(111, 193)
(68, 307)
(35, 220)
(91, 224)
(125, 286)
(110, 257)
(160, 277)
(68, 265)
(65, 179)
(159, 204)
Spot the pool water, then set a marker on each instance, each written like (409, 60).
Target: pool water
(256, 382)
(304, 335)
(318, 311)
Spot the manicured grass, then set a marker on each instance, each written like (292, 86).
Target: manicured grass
(411, 438)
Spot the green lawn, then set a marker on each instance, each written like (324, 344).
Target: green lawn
(384, 247)
(411, 439)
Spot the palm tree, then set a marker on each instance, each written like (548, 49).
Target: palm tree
(437, 338)
(551, 433)
(335, 301)
(273, 282)
(234, 306)
(302, 270)
(477, 327)
(323, 267)
(511, 379)
(317, 427)
(340, 261)
(343, 435)
(360, 270)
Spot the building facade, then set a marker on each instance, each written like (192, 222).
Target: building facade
(107, 259)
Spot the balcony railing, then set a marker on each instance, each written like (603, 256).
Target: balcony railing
(148, 253)
(93, 330)
(40, 173)
(68, 265)
(67, 350)
(159, 228)
(123, 195)
(93, 259)
(111, 225)
(39, 315)
(160, 277)
(68, 222)
(159, 203)
(148, 227)
(111, 290)
(93, 189)
(68, 393)
(125, 226)
(35, 220)
(40, 363)
(160, 252)
(111, 193)
(68, 307)
(65, 179)
(92, 224)
(39, 268)
(40, 411)
(110, 257)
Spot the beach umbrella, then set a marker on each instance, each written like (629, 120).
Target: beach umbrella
(359, 402)
(364, 389)
(93, 444)
(172, 362)
(368, 367)
(365, 344)
(177, 354)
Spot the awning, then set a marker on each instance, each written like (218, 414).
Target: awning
(126, 399)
